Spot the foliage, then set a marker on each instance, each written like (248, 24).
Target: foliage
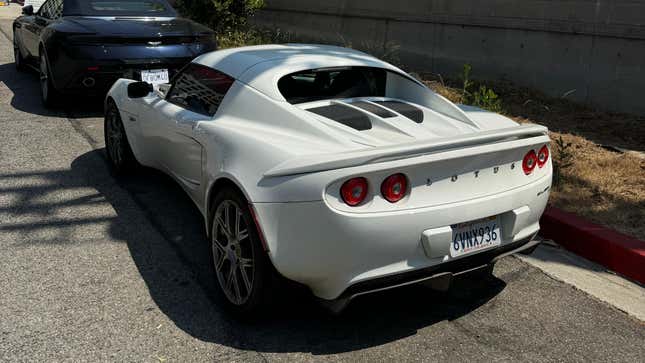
(486, 98)
(483, 97)
(254, 36)
(224, 16)
(467, 83)
(562, 160)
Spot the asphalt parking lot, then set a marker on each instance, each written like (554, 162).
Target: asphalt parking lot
(95, 269)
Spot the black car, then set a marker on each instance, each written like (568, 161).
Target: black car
(83, 46)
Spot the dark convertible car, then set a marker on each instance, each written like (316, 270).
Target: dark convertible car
(83, 46)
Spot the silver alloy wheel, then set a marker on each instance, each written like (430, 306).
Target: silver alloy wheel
(44, 77)
(114, 136)
(232, 252)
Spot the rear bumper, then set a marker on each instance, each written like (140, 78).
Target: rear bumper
(332, 251)
(438, 277)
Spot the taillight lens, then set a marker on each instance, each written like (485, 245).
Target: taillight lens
(394, 187)
(529, 162)
(354, 191)
(542, 156)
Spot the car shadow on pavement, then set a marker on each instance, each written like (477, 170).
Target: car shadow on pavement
(24, 89)
(166, 239)
(299, 324)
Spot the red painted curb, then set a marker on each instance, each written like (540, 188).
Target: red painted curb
(618, 252)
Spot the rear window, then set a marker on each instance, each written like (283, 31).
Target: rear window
(200, 89)
(152, 8)
(331, 83)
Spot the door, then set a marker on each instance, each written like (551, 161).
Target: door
(170, 125)
(50, 11)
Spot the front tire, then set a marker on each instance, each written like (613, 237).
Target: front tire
(241, 267)
(119, 153)
(48, 92)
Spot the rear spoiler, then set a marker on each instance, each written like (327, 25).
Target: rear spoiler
(323, 162)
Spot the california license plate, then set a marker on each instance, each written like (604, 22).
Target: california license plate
(471, 237)
(156, 76)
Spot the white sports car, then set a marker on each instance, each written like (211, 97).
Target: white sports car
(333, 168)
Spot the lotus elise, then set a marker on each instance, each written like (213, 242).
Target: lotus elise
(334, 169)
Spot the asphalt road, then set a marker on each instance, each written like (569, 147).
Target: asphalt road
(95, 269)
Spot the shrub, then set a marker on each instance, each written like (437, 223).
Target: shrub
(487, 99)
(483, 97)
(254, 36)
(562, 160)
(223, 16)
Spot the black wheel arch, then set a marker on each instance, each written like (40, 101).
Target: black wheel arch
(220, 184)
(107, 101)
(51, 55)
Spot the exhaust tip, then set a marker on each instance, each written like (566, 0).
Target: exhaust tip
(89, 82)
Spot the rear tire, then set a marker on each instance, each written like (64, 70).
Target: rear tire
(48, 91)
(243, 272)
(19, 60)
(119, 154)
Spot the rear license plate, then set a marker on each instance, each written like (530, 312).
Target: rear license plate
(474, 236)
(156, 76)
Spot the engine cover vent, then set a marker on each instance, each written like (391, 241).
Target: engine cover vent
(344, 115)
(377, 110)
(413, 113)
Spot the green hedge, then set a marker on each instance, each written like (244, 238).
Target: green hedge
(224, 16)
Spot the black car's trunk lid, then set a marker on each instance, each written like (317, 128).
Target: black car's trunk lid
(139, 28)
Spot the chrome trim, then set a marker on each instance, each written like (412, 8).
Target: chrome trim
(141, 18)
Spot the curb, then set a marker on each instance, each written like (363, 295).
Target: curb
(616, 251)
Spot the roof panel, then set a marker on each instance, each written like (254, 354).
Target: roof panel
(262, 66)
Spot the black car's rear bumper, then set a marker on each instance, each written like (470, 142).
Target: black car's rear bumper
(438, 276)
(94, 68)
(99, 77)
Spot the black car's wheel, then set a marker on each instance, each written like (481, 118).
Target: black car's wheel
(119, 153)
(48, 92)
(242, 268)
(19, 60)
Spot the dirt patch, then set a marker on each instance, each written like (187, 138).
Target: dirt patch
(605, 186)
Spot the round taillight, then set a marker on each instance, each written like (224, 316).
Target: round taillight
(528, 164)
(542, 156)
(394, 187)
(354, 191)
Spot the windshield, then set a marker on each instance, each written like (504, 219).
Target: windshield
(330, 83)
(151, 8)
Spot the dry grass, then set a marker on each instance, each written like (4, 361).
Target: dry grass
(604, 186)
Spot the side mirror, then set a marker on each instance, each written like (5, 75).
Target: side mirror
(28, 10)
(139, 89)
